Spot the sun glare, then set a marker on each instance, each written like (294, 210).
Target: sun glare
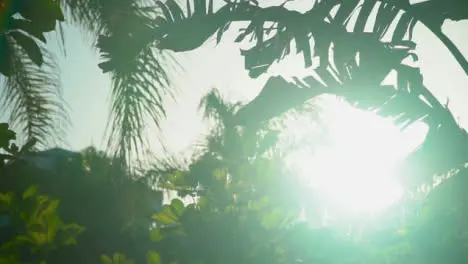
(355, 169)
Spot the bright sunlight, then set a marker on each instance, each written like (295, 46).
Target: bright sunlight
(354, 169)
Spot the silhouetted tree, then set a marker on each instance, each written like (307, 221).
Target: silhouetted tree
(31, 93)
(355, 69)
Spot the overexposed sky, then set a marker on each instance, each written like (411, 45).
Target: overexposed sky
(87, 90)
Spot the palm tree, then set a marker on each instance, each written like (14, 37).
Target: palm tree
(354, 70)
(31, 91)
(31, 85)
(139, 79)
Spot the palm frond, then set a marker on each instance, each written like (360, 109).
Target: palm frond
(215, 106)
(125, 36)
(100, 16)
(188, 32)
(136, 99)
(32, 95)
(285, 95)
(358, 80)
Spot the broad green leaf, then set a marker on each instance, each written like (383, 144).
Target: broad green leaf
(166, 216)
(6, 198)
(53, 7)
(28, 146)
(118, 258)
(178, 206)
(42, 199)
(106, 259)
(164, 219)
(53, 224)
(28, 27)
(30, 47)
(156, 235)
(51, 207)
(153, 258)
(38, 238)
(30, 192)
(5, 52)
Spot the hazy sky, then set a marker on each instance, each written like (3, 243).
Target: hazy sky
(87, 90)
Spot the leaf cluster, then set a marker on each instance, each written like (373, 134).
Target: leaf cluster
(25, 23)
(35, 228)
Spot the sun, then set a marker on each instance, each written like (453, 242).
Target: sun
(354, 171)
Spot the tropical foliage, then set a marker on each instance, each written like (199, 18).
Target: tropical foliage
(355, 68)
(238, 191)
(237, 202)
(31, 90)
(94, 190)
(38, 230)
(31, 87)
(31, 228)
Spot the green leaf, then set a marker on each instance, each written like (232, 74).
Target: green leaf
(42, 199)
(175, 9)
(402, 27)
(38, 238)
(43, 13)
(5, 53)
(29, 45)
(118, 257)
(153, 258)
(166, 216)
(53, 224)
(51, 207)
(30, 192)
(6, 198)
(28, 27)
(28, 146)
(54, 9)
(156, 235)
(178, 206)
(6, 135)
(165, 10)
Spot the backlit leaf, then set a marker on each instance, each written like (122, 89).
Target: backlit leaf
(106, 259)
(156, 235)
(153, 258)
(30, 192)
(178, 206)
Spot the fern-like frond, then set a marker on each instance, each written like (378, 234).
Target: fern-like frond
(189, 32)
(377, 59)
(32, 95)
(359, 80)
(101, 16)
(214, 106)
(137, 97)
(125, 36)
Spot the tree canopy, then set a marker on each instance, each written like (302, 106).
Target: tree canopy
(236, 201)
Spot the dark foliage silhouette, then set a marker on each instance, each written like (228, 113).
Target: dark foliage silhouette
(94, 191)
(359, 62)
(31, 91)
